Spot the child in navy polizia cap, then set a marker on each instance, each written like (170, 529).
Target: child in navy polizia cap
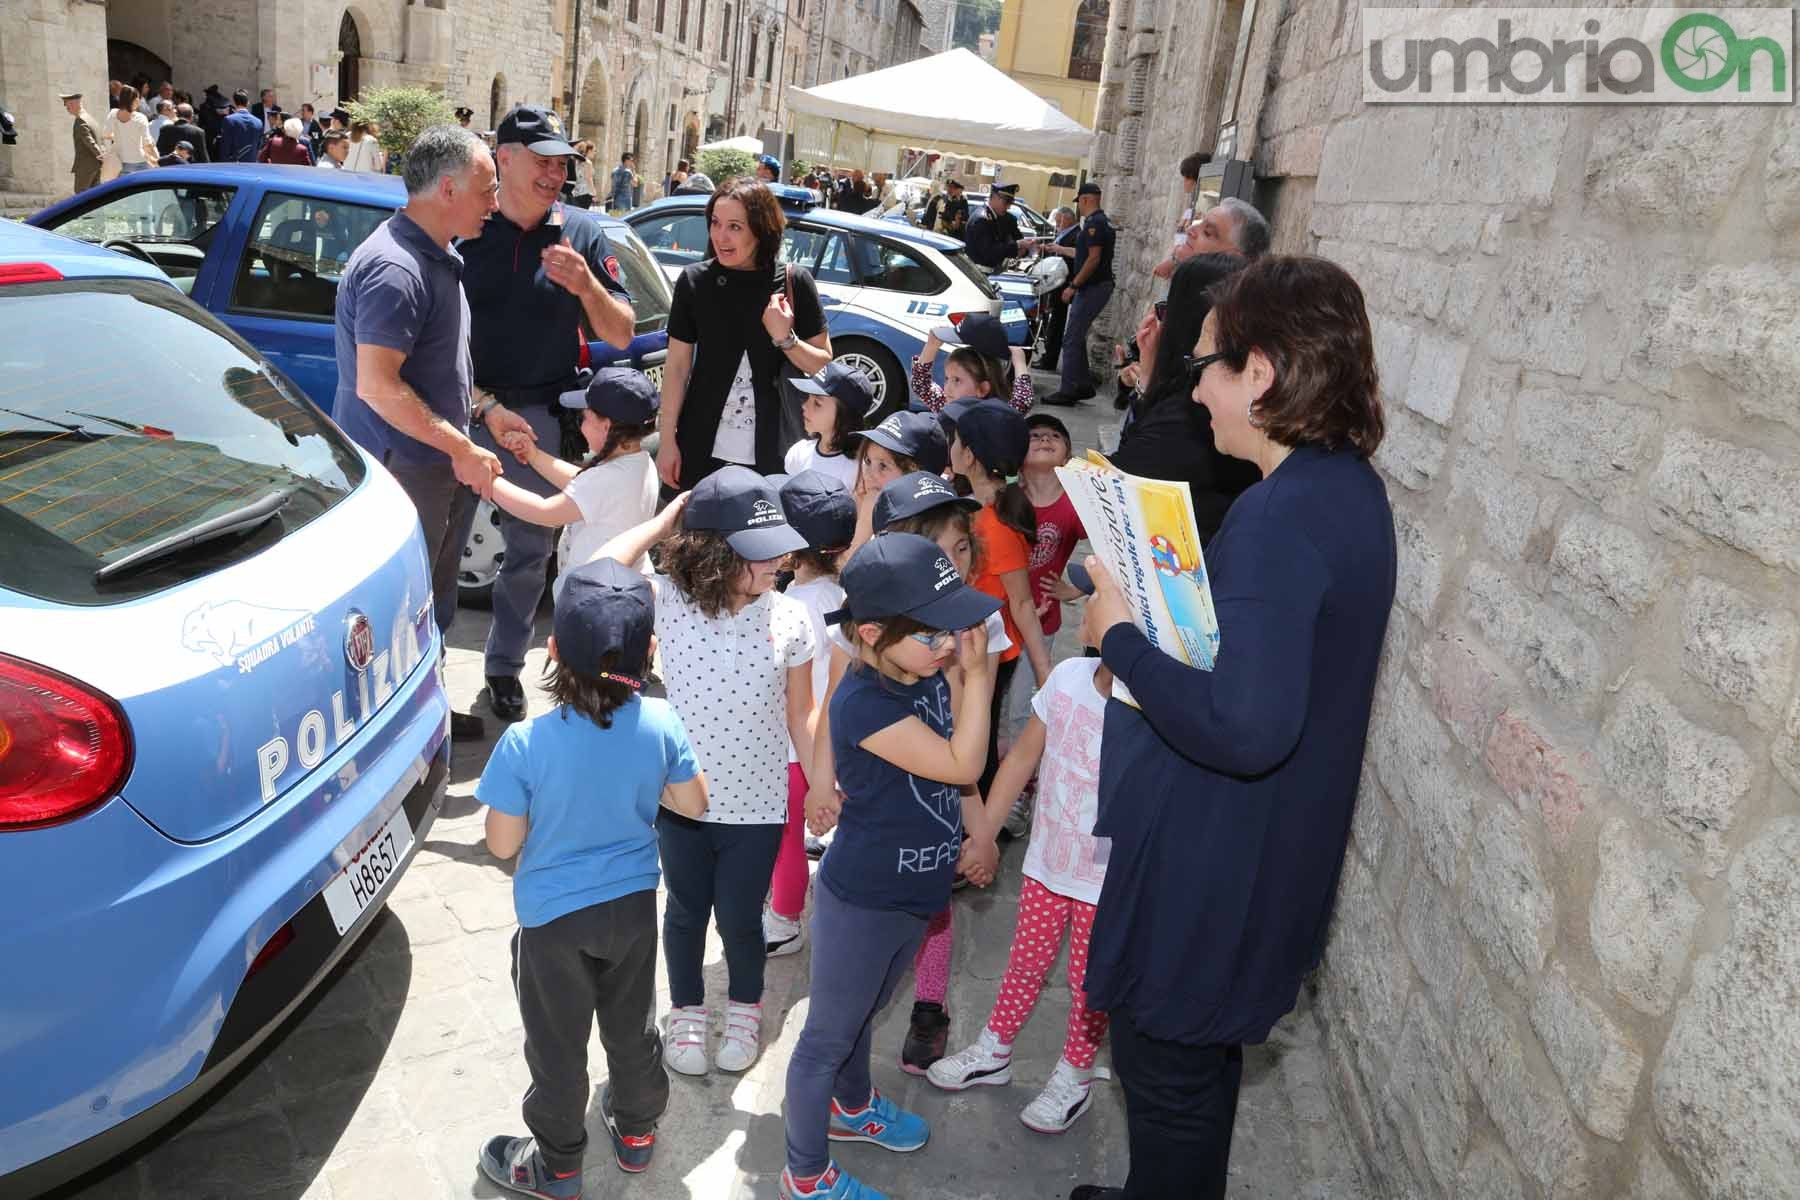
(737, 663)
(820, 509)
(585, 886)
(908, 614)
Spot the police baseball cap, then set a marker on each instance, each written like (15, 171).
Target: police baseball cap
(981, 332)
(1090, 188)
(915, 493)
(618, 394)
(947, 415)
(820, 509)
(604, 607)
(905, 575)
(1044, 420)
(746, 508)
(995, 435)
(841, 382)
(916, 435)
(1080, 580)
(537, 129)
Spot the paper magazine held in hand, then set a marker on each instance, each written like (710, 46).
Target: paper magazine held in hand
(1144, 531)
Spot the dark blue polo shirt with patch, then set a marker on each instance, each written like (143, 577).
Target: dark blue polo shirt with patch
(403, 291)
(527, 329)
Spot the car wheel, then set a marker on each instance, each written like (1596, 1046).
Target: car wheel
(883, 369)
(481, 558)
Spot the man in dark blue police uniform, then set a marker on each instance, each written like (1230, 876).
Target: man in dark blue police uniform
(1089, 289)
(993, 232)
(540, 279)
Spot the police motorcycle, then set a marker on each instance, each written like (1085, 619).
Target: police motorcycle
(1023, 283)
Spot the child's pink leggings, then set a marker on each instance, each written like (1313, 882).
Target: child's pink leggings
(931, 965)
(1038, 936)
(787, 887)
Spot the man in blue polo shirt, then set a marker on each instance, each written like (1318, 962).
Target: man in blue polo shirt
(403, 352)
(540, 278)
(1086, 295)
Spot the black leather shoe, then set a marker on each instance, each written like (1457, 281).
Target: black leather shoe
(467, 727)
(1061, 400)
(927, 1039)
(506, 696)
(1093, 1191)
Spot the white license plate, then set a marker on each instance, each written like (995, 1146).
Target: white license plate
(654, 374)
(369, 870)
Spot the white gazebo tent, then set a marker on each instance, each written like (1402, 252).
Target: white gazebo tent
(955, 104)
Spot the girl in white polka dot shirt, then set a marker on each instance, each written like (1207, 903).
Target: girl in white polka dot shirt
(737, 665)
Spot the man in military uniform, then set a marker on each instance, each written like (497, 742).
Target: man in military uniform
(993, 232)
(88, 152)
(539, 279)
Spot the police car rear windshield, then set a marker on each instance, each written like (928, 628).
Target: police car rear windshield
(127, 415)
(962, 262)
(642, 278)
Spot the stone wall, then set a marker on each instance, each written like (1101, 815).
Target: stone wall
(1567, 939)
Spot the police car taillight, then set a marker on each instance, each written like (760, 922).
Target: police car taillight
(63, 747)
(29, 273)
(956, 318)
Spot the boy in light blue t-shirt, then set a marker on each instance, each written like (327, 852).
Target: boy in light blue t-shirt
(574, 793)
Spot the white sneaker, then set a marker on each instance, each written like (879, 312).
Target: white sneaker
(684, 1047)
(1068, 1094)
(987, 1061)
(742, 1038)
(781, 936)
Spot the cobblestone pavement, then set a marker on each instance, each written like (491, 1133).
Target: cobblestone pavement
(408, 1058)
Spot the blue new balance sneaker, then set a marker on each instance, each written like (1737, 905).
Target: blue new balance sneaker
(832, 1185)
(883, 1122)
(515, 1164)
(634, 1151)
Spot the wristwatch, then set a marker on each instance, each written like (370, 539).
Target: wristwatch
(788, 342)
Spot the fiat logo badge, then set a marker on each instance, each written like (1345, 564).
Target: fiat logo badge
(359, 642)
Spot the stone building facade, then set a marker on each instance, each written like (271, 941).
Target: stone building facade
(1567, 936)
(654, 76)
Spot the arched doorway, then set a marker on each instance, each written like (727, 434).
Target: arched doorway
(350, 53)
(590, 110)
(127, 60)
(690, 136)
(640, 131)
(496, 101)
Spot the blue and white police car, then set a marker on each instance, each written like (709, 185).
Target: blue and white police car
(223, 724)
(884, 284)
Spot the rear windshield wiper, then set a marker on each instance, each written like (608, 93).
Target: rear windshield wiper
(238, 520)
(86, 435)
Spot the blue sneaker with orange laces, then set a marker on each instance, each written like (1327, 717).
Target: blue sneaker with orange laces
(633, 1151)
(832, 1185)
(515, 1164)
(882, 1122)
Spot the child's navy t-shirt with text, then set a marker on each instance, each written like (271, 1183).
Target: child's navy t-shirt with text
(899, 836)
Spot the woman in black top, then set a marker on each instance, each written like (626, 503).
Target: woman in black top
(1169, 436)
(737, 319)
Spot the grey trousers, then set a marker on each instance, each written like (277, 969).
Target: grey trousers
(1077, 376)
(858, 957)
(446, 511)
(596, 962)
(519, 585)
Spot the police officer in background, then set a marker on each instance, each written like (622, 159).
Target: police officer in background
(953, 217)
(768, 168)
(1090, 287)
(993, 232)
(540, 278)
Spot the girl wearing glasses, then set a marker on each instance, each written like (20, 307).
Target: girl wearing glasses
(905, 745)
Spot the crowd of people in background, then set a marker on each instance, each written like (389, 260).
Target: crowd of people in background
(150, 125)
